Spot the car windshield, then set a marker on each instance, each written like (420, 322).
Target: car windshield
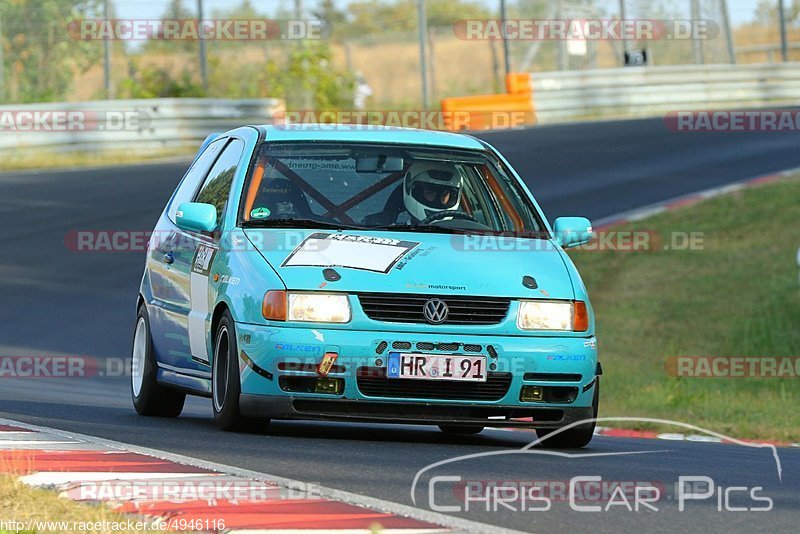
(395, 187)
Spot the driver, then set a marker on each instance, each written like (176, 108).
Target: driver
(429, 188)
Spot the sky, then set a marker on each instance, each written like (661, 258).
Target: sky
(741, 11)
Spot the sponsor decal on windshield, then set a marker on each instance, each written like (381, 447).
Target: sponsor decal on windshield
(367, 253)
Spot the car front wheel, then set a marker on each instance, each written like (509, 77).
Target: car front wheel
(576, 437)
(225, 384)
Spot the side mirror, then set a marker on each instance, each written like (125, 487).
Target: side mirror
(572, 231)
(196, 217)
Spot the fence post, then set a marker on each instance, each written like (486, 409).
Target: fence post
(622, 18)
(506, 53)
(697, 44)
(423, 52)
(2, 66)
(782, 19)
(726, 20)
(106, 57)
(561, 53)
(203, 60)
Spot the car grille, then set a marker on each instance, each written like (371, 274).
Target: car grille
(399, 308)
(427, 346)
(372, 382)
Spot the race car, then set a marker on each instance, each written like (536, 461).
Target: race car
(365, 274)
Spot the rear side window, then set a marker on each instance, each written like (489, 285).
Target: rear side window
(217, 187)
(194, 176)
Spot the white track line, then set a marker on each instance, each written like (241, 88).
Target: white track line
(58, 478)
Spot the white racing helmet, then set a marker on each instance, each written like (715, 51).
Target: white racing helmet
(431, 187)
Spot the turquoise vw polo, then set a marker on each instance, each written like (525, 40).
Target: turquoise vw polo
(364, 274)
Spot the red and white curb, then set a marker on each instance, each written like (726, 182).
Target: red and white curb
(178, 490)
(687, 200)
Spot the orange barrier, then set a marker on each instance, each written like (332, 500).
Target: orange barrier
(518, 82)
(492, 112)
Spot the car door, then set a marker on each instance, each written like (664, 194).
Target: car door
(168, 283)
(199, 251)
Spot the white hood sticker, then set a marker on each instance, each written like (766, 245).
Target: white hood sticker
(322, 249)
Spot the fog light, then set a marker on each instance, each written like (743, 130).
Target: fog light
(331, 386)
(531, 394)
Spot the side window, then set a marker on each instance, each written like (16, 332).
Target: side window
(217, 187)
(194, 176)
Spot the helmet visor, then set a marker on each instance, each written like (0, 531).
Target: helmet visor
(436, 196)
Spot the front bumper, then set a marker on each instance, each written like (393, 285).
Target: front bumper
(275, 359)
(287, 407)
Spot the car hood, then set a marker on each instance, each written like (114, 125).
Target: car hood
(408, 262)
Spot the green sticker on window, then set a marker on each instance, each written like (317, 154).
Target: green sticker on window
(260, 213)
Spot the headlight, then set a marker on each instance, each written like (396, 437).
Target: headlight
(553, 315)
(318, 308)
(306, 307)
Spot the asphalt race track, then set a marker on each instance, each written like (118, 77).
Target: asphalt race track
(57, 302)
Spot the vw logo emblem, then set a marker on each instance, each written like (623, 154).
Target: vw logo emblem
(435, 311)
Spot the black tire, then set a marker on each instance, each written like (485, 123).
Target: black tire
(225, 385)
(149, 397)
(455, 429)
(576, 437)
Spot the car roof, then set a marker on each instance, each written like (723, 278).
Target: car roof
(345, 133)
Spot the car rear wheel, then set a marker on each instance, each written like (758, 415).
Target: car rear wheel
(455, 429)
(149, 397)
(225, 385)
(576, 437)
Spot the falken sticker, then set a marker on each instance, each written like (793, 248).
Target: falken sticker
(367, 253)
(198, 297)
(567, 357)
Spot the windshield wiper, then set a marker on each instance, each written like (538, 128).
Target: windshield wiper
(427, 229)
(299, 223)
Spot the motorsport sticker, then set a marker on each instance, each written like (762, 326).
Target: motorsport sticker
(260, 213)
(367, 253)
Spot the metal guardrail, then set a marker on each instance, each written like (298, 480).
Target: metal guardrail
(651, 91)
(130, 125)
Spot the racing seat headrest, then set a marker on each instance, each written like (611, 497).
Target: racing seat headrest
(283, 198)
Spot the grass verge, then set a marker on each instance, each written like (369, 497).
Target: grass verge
(34, 508)
(738, 296)
(44, 159)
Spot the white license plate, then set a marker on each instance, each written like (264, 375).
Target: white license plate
(436, 367)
